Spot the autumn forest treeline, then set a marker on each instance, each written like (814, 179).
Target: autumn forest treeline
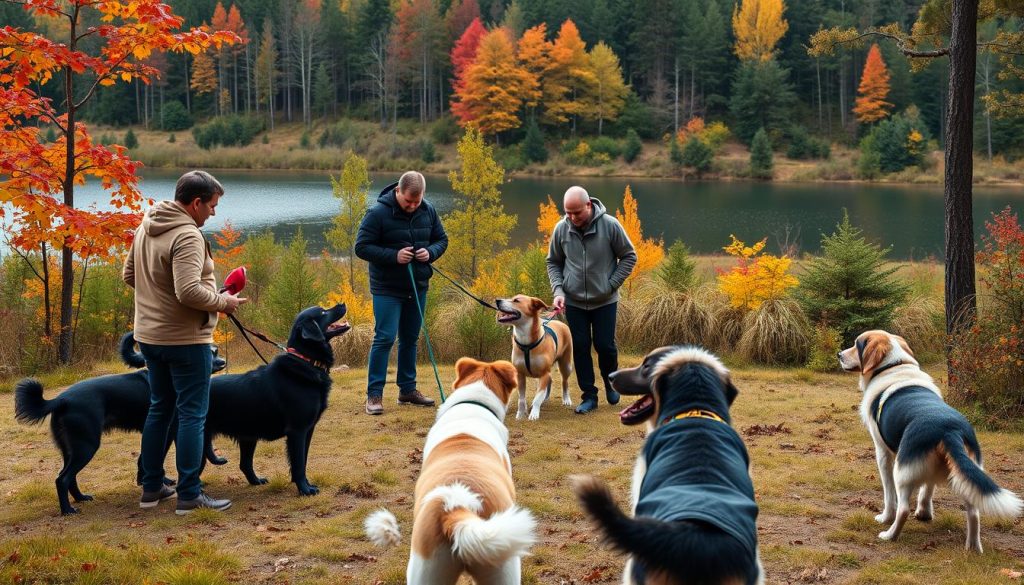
(574, 67)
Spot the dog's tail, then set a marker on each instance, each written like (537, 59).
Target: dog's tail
(382, 528)
(481, 541)
(131, 357)
(710, 554)
(969, 480)
(29, 405)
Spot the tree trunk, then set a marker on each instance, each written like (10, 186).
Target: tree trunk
(67, 268)
(960, 293)
(188, 88)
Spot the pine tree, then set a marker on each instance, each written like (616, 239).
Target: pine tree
(266, 71)
(533, 144)
(294, 287)
(697, 155)
(758, 26)
(848, 287)
(130, 141)
(323, 90)
(761, 155)
(762, 97)
(678, 271)
(874, 88)
(633, 146)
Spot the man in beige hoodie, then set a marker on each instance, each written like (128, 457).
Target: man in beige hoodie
(176, 304)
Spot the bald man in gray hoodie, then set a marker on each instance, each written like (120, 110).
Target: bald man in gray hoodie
(589, 258)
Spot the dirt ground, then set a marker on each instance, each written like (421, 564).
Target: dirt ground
(813, 470)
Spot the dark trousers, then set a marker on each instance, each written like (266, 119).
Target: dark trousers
(179, 382)
(593, 327)
(394, 317)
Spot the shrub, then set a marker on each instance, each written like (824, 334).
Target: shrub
(533, 144)
(761, 156)
(233, 130)
(445, 130)
(697, 156)
(174, 116)
(51, 135)
(802, 146)
(677, 271)
(582, 154)
(529, 275)
(304, 140)
(848, 286)
(899, 142)
(756, 278)
(869, 163)
(633, 146)
(428, 154)
(655, 314)
(130, 141)
(775, 333)
(675, 153)
(714, 135)
(826, 343)
(172, 139)
(606, 145)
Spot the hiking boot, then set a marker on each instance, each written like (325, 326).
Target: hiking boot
(416, 398)
(374, 405)
(588, 405)
(151, 499)
(203, 501)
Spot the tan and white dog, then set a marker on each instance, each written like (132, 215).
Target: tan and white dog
(536, 347)
(465, 518)
(920, 441)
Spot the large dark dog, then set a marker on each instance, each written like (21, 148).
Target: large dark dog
(282, 399)
(81, 414)
(694, 515)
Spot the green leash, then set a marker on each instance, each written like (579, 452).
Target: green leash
(426, 334)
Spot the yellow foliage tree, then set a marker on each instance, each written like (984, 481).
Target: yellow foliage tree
(549, 216)
(353, 189)
(758, 26)
(478, 226)
(649, 252)
(204, 75)
(495, 86)
(568, 76)
(534, 55)
(755, 278)
(608, 97)
(360, 308)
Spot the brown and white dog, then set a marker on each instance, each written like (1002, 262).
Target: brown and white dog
(465, 517)
(536, 347)
(920, 441)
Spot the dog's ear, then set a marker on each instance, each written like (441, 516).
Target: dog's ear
(875, 351)
(505, 375)
(538, 305)
(310, 330)
(731, 391)
(903, 344)
(464, 368)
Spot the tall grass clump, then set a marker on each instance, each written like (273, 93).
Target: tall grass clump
(826, 343)
(922, 322)
(776, 333)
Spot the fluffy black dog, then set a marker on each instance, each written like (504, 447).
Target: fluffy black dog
(81, 414)
(282, 399)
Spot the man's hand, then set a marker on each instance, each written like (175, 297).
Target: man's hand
(558, 303)
(234, 301)
(405, 255)
(423, 255)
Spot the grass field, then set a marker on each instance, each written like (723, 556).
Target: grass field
(813, 469)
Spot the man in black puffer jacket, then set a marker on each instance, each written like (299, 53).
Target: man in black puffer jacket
(400, 229)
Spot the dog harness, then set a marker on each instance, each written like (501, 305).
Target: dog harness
(696, 413)
(316, 363)
(526, 348)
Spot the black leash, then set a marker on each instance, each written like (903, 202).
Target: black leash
(257, 335)
(460, 287)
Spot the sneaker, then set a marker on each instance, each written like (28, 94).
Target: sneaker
(611, 395)
(203, 501)
(416, 398)
(151, 499)
(588, 405)
(374, 405)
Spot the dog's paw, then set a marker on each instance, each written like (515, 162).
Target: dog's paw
(521, 414)
(887, 535)
(535, 415)
(884, 518)
(923, 515)
(255, 480)
(566, 401)
(68, 511)
(309, 490)
(83, 498)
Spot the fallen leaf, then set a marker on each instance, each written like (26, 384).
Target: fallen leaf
(87, 567)
(1011, 573)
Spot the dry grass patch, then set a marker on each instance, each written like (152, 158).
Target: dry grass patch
(813, 470)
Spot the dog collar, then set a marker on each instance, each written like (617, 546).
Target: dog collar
(526, 348)
(316, 363)
(695, 413)
(884, 368)
(480, 404)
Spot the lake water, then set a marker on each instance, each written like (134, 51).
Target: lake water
(702, 214)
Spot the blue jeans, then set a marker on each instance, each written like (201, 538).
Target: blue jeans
(394, 317)
(179, 384)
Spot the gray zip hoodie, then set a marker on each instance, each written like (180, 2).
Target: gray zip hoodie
(587, 266)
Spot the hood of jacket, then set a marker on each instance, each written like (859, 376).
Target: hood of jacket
(165, 216)
(599, 210)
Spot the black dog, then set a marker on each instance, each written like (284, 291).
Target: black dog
(694, 515)
(282, 399)
(81, 414)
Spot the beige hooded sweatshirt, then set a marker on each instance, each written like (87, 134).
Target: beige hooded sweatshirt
(171, 269)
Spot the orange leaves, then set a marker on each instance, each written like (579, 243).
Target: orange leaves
(494, 85)
(649, 252)
(874, 88)
(549, 216)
